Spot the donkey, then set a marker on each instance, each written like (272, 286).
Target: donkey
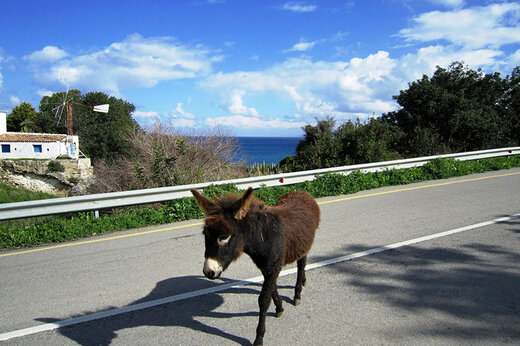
(271, 236)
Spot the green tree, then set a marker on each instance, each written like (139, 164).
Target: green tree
(21, 118)
(319, 148)
(105, 135)
(102, 135)
(511, 104)
(53, 110)
(457, 109)
(372, 141)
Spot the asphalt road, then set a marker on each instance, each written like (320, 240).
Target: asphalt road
(146, 286)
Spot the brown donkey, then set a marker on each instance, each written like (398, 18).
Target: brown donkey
(271, 236)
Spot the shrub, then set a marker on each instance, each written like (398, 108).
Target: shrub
(219, 190)
(55, 166)
(165, 156)
(66, 227)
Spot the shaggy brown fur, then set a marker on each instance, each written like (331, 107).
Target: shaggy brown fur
(271, 236)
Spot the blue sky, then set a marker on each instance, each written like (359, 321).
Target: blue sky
(256, 68)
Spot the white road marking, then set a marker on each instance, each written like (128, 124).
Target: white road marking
(223, 287)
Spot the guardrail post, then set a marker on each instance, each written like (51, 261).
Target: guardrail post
(96, 214)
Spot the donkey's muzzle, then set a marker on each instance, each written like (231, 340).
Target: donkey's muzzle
(212, 268)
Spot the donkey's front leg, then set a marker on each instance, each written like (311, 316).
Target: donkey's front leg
(263, 302)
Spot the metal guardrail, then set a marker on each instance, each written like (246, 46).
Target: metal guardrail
(119, 199)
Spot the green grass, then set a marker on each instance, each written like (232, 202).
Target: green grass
(30, 232)
(10, 194)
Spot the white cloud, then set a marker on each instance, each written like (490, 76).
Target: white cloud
(183, 122)
(44, 92)
(450, 3)
(149, 114)
(15, 100)
(302, 46)
(179, 112)
(425, 61)
(339, 88)
(474, 28)
(46, 55)
(237, 107)
(241, 121)
(359, 87)
(177, 117)
(135, 62)
(301, 7)
(513, 60)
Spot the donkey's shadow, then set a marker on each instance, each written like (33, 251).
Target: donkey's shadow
(182, 313)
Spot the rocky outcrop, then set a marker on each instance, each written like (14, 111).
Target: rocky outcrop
(62, 177)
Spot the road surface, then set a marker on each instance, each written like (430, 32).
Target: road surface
(430, 263)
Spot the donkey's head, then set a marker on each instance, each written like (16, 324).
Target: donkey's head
(224, 241)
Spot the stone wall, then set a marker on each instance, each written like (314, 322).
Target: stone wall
(35, 175)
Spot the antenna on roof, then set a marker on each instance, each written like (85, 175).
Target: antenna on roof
(67, 104)
(58, 111)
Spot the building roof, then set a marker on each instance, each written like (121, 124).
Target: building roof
(30, 137)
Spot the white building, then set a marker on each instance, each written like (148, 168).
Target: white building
(18, 145)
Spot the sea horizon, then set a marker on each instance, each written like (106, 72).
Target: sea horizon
(257, 150)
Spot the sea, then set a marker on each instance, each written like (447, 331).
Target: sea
(258, 150)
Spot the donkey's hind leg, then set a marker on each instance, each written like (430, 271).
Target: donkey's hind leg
(277, 302)
(300, 280)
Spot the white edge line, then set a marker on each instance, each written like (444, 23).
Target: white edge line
(223, 287)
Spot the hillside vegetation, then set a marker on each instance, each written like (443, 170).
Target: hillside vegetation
(21, 233)
(10, 194)
(455, 110)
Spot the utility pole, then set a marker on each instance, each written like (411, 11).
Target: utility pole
(69, 119)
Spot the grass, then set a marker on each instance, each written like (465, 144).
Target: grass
(30, 232)
(10, 194)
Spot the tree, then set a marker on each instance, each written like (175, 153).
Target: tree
(319, 148)
(325, 145)
(457, 109)
(372, 141)
(102, 136)
(105, 135)
(21, 118)
(511, 104)
(53, 112)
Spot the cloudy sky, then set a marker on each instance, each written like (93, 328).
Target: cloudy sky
(258, 68)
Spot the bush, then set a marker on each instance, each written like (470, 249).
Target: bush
(325, 145)
(166, 157)
(219, 190)
(55, 166)
(66, 227)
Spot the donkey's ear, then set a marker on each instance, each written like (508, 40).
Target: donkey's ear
(244, 204)
(204, 203)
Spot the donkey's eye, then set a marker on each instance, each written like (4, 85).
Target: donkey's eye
(224, 239)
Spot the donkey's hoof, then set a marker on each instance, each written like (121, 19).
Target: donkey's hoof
(297, 301)
(279, 313)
